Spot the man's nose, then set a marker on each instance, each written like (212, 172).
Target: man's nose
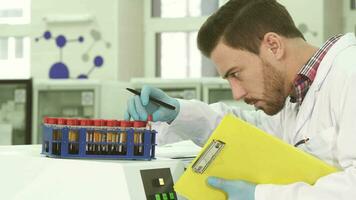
(238, 92)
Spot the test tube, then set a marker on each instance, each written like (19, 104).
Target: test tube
(139, 127)
(117, 134)
(104, 135)
(52, 122)
(45, 120)
(45, 145)
(122, 138)
(87, 124)
(73, 136)
(99, 125)
(91, 139)
(111, 135)
(149, 122)
(58, 134)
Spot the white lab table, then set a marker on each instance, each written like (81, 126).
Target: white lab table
(26, 174)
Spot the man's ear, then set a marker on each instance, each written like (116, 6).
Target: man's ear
(273, 44)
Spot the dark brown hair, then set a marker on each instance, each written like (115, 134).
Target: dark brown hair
(242, 24)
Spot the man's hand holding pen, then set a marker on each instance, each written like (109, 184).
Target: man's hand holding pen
(152, 101)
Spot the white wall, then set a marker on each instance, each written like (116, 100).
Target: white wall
(323, 18)
(131, 36)
(121, 23)
(349, 17)
(118, 21)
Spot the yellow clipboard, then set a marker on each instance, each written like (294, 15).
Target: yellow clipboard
(239, 150)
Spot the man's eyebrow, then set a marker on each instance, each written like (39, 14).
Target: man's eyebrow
(228, 72)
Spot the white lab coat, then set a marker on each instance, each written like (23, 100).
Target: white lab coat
(327, 116)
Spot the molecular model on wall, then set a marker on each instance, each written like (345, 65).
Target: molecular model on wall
(59, 70)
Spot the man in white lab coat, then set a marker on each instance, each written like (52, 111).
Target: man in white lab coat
(303, 94)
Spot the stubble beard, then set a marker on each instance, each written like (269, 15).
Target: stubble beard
(273, 90)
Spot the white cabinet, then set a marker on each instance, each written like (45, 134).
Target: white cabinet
(208, 90)
(177, 88)
(15, 111)
(63, 98)
(77, 99)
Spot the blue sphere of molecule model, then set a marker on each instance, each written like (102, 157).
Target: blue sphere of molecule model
(82, 76)
(47, 35)
(58, 71)
(81, 39)
(61, 41)
(98, 61)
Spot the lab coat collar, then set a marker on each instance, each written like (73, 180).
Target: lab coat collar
(308, 104)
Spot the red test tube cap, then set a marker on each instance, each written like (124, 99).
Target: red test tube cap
(51, 120)
(149, 118)
(119, 122)
(99, 122)
(72, 122)
(86, 122)
(126, 123)
(139, 124)
(111, 123)
(62, 121)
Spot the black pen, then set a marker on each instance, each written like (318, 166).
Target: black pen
(159, 102)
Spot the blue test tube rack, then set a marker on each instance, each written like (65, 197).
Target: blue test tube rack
(60, 148)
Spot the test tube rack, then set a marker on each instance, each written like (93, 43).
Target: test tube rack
(58, 142)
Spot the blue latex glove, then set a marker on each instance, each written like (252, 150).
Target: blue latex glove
(139, 107)
(235, 189)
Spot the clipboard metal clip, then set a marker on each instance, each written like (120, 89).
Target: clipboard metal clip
(207, 157)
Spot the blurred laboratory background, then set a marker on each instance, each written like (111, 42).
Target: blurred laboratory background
(65, 58)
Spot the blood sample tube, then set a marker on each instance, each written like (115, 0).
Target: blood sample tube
(139, 127)
(73, 136)
(57, 134)
(51, 123)
(98, 129)
(122, 148)
(88, 125)
(112, 126)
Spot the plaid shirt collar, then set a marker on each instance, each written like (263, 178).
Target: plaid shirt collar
(307, 73)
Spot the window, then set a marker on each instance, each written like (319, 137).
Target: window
(15, 57)
(182, 8)
(14, 39)
(15, 11)
(178, 55)
(170, 38)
